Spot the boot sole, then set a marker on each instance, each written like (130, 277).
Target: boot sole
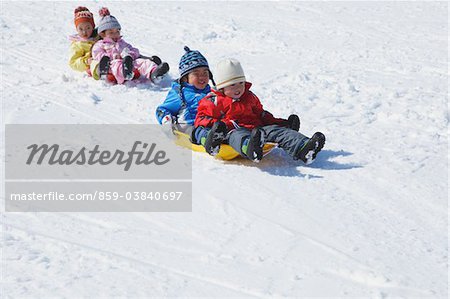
(255, 146)
(309, 152)
(127, 68)
(160, 71)
(214, 139)
(103, 66)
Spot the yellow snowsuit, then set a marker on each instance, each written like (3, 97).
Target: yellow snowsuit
(80, 52)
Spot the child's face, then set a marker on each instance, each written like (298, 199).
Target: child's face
(85, 29)
(199, 77)
(234, 91)
(113, 34)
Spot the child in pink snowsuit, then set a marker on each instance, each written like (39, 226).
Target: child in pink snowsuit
(119, 58)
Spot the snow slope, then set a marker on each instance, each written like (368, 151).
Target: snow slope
(369, 218)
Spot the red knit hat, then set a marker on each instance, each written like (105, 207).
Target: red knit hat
(82, 14)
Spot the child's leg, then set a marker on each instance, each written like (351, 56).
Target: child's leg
(116, 68)
(144, 66)
(210, 138)
(184, 128)
(294, 143)
(289, 140)
(199, 135)
(94, 67)
(238, 139)
(247, 143)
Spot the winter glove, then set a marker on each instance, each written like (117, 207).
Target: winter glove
(293, 122)
(167, 126)
(168, 120)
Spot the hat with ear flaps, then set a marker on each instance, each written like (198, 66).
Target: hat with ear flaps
(192, 60)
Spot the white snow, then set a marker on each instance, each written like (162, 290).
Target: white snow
(369, 218)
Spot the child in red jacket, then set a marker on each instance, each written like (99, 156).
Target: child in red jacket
(234, 114)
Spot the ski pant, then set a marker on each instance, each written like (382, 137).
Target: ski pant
(289, 140)
(198, 133)
(144, 66)
(185, 128)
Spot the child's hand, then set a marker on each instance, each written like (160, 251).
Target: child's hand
(293, 122)
(167, 120)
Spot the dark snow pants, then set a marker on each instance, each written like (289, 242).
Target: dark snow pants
(287, 139)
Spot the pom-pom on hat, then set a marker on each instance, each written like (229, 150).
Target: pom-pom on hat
(81, 15)
(191, 60)
(107, 21)
(228, 72)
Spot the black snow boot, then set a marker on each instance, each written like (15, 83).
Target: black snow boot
(127, 67)
(215, 137)
(103, 67)
(159, 71)
(255, 145)
(309, 150)
(156, 59)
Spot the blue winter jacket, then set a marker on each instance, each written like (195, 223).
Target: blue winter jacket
(182, 105)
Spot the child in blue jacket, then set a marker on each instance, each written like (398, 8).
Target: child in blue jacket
(181, 104)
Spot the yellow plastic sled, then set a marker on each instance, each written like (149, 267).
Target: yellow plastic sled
(226, 152)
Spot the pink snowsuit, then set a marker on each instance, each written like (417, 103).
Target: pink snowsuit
(110, 48)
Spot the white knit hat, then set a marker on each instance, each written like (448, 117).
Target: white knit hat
(228, 72)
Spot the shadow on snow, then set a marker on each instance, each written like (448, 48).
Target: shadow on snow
(281, 164)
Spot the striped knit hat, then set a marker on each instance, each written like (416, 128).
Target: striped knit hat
(82, 15)
(191, 60)
(107, 21)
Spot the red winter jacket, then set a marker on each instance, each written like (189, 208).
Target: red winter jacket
(246, 112)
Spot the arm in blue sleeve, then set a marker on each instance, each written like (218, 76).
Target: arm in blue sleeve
(171, 105)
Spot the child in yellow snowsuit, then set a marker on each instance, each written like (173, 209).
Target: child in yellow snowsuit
(82, 42)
